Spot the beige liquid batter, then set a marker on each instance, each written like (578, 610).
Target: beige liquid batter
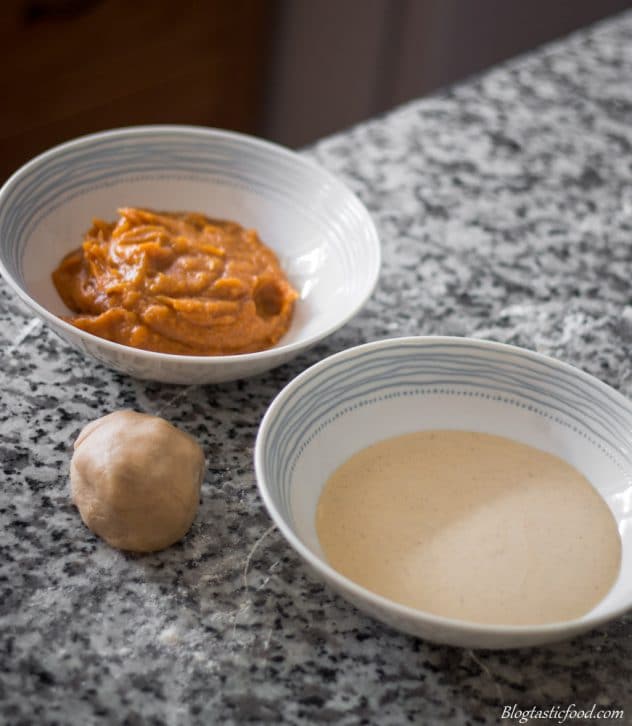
(470, 526)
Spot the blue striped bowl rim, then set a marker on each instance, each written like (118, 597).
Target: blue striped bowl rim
(421, 366)
(146, 153)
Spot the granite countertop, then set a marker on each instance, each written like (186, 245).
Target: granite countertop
(504, 207)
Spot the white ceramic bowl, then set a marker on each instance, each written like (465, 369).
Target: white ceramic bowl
(369, 393)
(321, 232)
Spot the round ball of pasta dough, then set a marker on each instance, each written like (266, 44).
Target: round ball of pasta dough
(136, 480)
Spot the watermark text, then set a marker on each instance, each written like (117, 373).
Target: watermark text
(560, 714)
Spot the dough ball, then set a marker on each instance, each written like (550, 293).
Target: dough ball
(136, 480)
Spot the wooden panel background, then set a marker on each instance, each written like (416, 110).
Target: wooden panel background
(70, 67)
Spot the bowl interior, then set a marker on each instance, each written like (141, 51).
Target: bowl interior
(385, 389)
(322, 234)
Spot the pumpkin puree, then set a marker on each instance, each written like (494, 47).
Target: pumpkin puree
(176, 283)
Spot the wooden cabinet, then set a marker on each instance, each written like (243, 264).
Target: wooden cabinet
(70, 67)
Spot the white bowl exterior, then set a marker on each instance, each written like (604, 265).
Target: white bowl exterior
(322, 234)
(385, 389)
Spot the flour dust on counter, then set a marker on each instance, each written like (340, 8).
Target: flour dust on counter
(470, 526)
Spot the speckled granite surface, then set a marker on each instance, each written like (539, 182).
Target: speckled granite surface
(505, 211)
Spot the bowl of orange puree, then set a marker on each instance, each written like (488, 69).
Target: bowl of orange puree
(185, 254)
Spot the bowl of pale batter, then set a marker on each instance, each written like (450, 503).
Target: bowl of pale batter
(464, 491)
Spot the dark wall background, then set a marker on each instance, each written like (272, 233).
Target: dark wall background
(288, 70)
(338, 62)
